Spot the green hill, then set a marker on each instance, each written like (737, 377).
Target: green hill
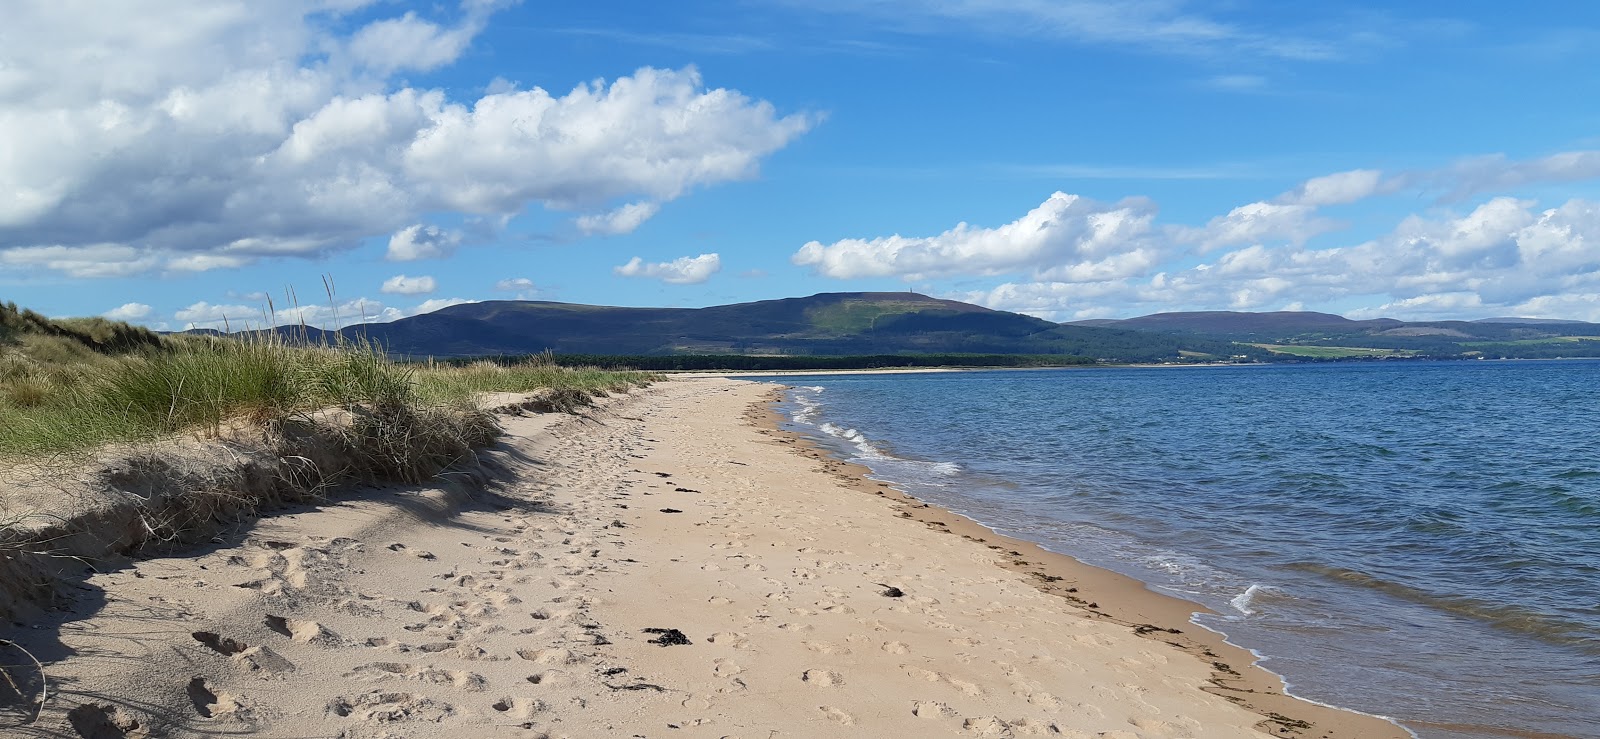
(828, 324)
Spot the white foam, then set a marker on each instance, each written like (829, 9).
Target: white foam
(1241, 602)
(807, 411)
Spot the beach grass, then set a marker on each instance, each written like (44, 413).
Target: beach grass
(67, 386)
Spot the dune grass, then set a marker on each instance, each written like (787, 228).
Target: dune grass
(64, 388)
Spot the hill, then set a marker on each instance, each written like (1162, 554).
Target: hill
(825, 324)
(1312, 335)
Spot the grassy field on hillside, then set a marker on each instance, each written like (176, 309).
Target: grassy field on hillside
(1332, 352)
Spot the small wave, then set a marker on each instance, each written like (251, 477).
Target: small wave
(1505, 616)
(872, 453)
(1244, 602)
(807, 409)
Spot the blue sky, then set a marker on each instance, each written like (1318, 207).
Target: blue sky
(176, 162)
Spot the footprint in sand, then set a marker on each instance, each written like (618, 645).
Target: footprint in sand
(399, 670)
(968, 688)
(932, 709)
(725, 667)
(896, 647)
(550, 678)
(826, 648)
(823, 678)
(104, 721)
(837, 716)
(548, 656)
(731, 639)
(250, 658)
(384, 707)
(209, 703)
(303, 631)
(986, 726)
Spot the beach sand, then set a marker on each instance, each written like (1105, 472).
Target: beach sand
(669, 565)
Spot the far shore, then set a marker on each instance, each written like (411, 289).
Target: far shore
(941, 370)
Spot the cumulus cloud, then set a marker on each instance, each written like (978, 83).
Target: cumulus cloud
(1066, 233)
(128, 312)
(1337, 189)
(429, 306)
(1074, 258)
(1496, 173)
(514, 284)
(1504, 257)
(421, 241)
(179, 130)
(221, 317)
(622, 220)
(680, 271)
(238, 317)
(403, 285)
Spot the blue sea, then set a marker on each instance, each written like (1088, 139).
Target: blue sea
(1418, 540)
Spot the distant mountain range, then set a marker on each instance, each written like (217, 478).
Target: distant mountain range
(825, 324)
(832, 324)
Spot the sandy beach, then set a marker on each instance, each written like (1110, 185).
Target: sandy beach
(669, 564)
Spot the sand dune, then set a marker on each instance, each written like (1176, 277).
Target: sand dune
(661, 567)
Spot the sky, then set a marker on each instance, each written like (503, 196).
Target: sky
(215, 163)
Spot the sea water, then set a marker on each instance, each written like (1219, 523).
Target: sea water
(1419, 540)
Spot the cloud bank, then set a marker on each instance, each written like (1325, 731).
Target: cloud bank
(191, 135)
(1081, 259)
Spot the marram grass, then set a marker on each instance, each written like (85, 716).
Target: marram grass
(62, 393)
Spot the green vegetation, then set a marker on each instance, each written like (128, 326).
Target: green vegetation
(856, 316)
(1531, 342)
(1332, 352)
(76, 384)
(748, 363)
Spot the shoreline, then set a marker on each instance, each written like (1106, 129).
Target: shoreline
(661, 565)
(1237, 675)
(734, 374)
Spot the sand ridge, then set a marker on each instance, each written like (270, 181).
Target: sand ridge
(656, 568)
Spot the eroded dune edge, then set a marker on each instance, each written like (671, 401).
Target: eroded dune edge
(666, 564)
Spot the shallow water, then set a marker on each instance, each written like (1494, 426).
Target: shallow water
(1415, 540)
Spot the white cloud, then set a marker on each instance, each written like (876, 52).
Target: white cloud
(1066, 233)
(429, 306)
(409, 42)
(221, 317)
(197, 135)
(680, 271)
(622, 220)
(422, 242)
(1167, 27)
(206, 262)
(403, 285)
(1498, 173)
(128, 312)
(514, 284)
(242, 317)
(96, 260)
(1504, 257)
(1257, 222)
(1337, 189)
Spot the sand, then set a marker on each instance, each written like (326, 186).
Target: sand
(669, 565)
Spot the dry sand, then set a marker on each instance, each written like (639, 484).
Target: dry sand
(812, 603)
